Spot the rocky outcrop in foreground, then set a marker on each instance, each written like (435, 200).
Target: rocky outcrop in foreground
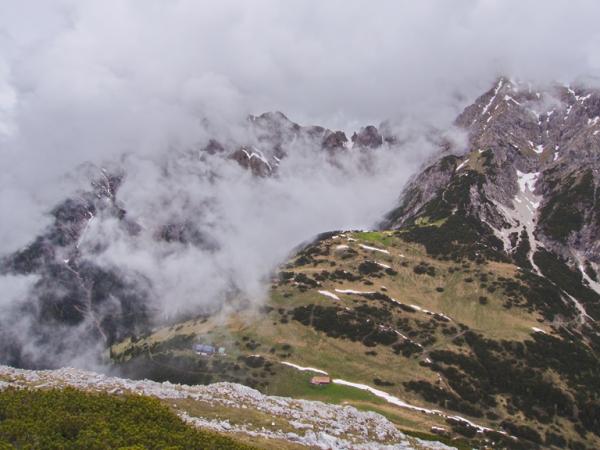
(310, 423)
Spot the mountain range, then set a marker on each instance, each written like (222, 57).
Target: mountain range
(467, 316)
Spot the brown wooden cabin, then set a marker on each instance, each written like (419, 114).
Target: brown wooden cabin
(320, 380)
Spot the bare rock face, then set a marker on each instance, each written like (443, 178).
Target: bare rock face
(538, 146)
(275, 136)
(336, 140)
(368, 137)
(254, 160)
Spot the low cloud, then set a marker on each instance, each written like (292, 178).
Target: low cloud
(141, 84)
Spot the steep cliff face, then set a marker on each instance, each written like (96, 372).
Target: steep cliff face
(529, 174)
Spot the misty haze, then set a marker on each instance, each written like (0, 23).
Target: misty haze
(261, 224)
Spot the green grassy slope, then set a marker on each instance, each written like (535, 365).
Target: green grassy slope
(470, 337)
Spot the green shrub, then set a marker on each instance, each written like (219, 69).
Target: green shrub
(72, 419)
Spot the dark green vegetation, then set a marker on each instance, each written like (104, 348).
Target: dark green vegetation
(172, 360)
(518, 372)
(521, 253)
(571, 200)
(72, 419)
(568, 280)
(457, 234)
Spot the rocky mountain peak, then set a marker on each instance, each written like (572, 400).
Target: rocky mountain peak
(539, 123)
(529, 174)
(368, 136)
(272, 135)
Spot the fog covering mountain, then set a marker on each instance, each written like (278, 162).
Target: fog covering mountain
(201, 230)
(190, 232)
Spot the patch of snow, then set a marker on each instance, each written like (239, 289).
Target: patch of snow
(527, 181)
(255, 153)
(430, 313)
(87, 225)
(387, 397)
(538, 330)
(583, 98)
(385, 266)
(539, 148)
(594, 285)
(304, 369)
(402, 404)
(487, 106)
(462, 164)
(329, 294)
(523, 213)
(583, 315)
(443, 315)
(353, 292)
(593, 121)
(374, 249)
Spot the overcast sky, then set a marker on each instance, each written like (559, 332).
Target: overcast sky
(335, 62)
(87, 80)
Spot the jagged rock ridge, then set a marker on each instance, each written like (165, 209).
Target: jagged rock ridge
(529, 176)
